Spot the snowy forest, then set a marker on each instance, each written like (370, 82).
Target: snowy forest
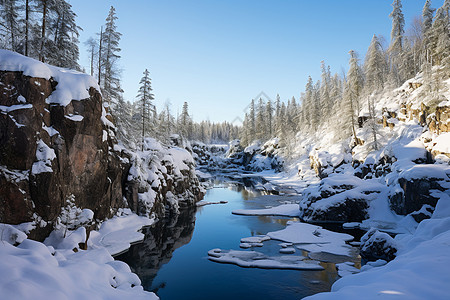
(337, 100)
(343, 188)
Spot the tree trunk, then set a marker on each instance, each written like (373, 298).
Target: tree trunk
(100, 56)
(92, 61)
(27, 17)
(44, 17)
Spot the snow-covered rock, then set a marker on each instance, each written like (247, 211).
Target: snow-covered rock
(377, 245)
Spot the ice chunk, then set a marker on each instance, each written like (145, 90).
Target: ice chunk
(253, 259)
(288, 210)
(304, 233)
(255, 239)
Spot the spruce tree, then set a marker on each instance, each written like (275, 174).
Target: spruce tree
(375, 67)
(65, 32)
(427, 21)
(145, 98)
(9, 14)
(352, 92)
(396, 47)
(269, 118)
(108, 54)
(440, 36)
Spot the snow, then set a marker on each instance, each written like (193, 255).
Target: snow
(255, 239)
(44, 157)
(72, 85)
(417, 272)
(21, 99)
(50, 130)
(12, 61)
(10, 234)
(11, 108)
(346, 268)
(426, 171)
(313, 238)
(59, 269)
(35, 271)
(288, 210)
(203, 203)
(253, 259)
(75, 118)
(287, 250)
(442, 143)
(117, 234)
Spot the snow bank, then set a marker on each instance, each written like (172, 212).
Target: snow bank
(72, 85)
(117, 234)
(35, 271)
(418, 271)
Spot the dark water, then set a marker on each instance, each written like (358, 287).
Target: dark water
(172, 261)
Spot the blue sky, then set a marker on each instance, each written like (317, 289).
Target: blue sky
(218, 55)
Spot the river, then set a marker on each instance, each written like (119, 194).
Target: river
(173, 261)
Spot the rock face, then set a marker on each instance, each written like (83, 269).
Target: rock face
(50, 153)
(338, 199)
(256, 157)
(162, 180)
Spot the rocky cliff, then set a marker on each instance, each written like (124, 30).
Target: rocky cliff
(57, 145)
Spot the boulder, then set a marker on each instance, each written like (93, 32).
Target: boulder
(417, 184)
(377, 245)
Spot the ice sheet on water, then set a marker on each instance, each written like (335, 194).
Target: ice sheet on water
(255, 239)
(287, 210)
(314, 239)
(253, 259)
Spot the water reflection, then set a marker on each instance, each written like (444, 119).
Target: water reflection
(161, 240)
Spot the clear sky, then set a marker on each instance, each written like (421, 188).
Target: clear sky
(218, 55)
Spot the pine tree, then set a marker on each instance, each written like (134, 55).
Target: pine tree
(326, 104)
(375, 66)
(260, 121)
(108, 52)
(427, 21)
(308, 106)
(185, 122)
(372, 124)
(43, 43)
(440, 36)
(352, 92)
(64, 32)
(315, 107)
(269, 117)
(396, 47)
(9, 14)
(91, 46)
(252, 120)
(145, 98)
